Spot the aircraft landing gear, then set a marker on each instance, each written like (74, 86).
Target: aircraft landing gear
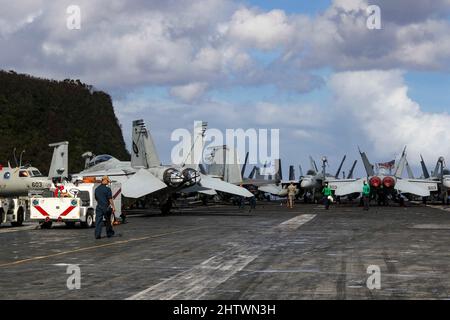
(166, 206)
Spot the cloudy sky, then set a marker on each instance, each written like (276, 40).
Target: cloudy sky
(309, 68)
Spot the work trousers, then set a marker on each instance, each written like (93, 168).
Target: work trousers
(99, 215)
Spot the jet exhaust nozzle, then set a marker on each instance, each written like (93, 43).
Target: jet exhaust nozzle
(172, 177)
(388, 182)
(191, 176)
(375, 182)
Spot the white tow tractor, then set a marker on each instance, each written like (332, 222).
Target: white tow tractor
(72, 203)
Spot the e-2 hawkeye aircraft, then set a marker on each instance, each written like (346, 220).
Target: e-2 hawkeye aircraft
(384, 183)
(17, 183)
(144, 175)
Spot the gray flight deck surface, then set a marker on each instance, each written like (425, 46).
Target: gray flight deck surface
(221, 252)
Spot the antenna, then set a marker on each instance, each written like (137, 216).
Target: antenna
(15, 158)
(21, 154)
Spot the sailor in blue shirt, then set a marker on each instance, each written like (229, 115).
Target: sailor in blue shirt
(105, 208)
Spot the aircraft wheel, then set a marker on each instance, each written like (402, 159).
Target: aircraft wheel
(166, 207)
(1, 216)
(20, 219)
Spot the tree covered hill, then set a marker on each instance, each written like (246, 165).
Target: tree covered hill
(35, 112)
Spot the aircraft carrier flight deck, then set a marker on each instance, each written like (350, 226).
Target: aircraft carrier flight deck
(223, 252)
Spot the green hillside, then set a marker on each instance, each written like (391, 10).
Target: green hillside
(35, 112)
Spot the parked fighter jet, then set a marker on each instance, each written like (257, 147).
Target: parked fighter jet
(145, 176)
(224, 163)
(441, 176)
(386, 182)
(24, 179)
(313, 182)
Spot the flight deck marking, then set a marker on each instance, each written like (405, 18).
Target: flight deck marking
(295, 223)
(195, 283)
(95, 247)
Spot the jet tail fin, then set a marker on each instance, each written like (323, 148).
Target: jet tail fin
(340, 167)
(425, 172)
(245, 164)
(252, 173)
(439, 165)
(313, 165)
(367, 165)
(291, 173)
(60, 160)
(278, 171)
(144, 153)
(350, 174)
(401, 164)
(408, 169)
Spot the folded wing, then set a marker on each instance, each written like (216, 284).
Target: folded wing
(141, 184)
(271, 188)
(346, 187)
(222, 186)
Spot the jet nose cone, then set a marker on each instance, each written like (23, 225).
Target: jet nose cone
(446, 183)
(306, 184)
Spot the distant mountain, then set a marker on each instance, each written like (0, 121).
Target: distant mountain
(35, 112)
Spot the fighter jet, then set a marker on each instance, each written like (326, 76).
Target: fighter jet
(386, 182)
(144, 175)
(22, 180)
(313, 182)
(224, 163)
(441, 176)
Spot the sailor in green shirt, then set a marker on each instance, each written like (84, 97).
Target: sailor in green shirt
(366, 195)
(326, 193)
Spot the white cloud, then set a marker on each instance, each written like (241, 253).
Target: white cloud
(190, 92)
(265, 30)
(154, 43)
(377, 103)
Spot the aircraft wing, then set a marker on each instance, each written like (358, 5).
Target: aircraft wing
(270, 188)
(413, 187)
(219, 185)
(346, 187)
(141, 184)
(197, 188)
(208, 192)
